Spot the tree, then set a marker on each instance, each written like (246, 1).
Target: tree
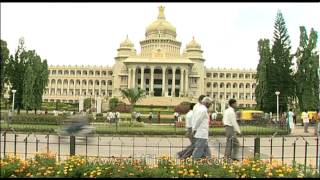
(28, 90)
(3, 63)
(28, 74)
(41, 80)
(283, 62)
(15, 71)
(87, 103)
(307, 80)
(113, 103)
(133, 95)
(264, 76)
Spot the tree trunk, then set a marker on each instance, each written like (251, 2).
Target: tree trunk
(18, 109)
(35, 111)
(27, 110)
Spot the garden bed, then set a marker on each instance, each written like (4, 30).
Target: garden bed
(45, 165)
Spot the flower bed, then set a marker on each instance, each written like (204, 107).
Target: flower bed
(45, 165)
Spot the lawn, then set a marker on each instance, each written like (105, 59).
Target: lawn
(147, 129)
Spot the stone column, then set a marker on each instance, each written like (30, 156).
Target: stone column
(81, 87)
(164, 82)
(134, 78)
(129, 78)
(87, 93)
(98, 104)
(173, 82)
(81, 101)
(74, 89)
(100, 86)
(181, 83)
(151, 81)
(142, 78)
(56, 87)
(187, 83)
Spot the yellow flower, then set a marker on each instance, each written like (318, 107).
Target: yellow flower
(29, 174)
(270, 174)
(280, 175)
(131, 174)
(180, 172)
(99, 173)
(205, 175)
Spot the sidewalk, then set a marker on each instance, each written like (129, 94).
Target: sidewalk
(299, 131)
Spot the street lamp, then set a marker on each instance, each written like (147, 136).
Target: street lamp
(13, 91)
(277, 93)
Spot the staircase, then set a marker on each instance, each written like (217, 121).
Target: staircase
(161, 101)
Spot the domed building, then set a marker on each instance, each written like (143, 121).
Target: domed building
(160, 69)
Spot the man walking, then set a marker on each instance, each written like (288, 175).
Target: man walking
(201, 130)
(290, 120)
(190, 121)
(305, 119)
(231, 127)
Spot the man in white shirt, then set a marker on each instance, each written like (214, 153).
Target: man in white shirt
(305, 119)
(214, 116)
(187, 152)
(201, 129)
(231, 126)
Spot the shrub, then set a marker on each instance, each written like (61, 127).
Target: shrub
(113, 103)
(37, 119)
(182, 108)
(131, 124)
(122, 108)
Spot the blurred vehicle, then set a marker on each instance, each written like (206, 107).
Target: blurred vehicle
(76, 125)
(251, 116)
(312, 115)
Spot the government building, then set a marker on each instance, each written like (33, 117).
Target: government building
(161, 69)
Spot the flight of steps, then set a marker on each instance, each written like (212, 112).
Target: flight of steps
(162, 101)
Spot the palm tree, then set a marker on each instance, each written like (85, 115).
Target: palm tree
(133, 95)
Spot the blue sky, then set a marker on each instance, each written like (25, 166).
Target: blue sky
(90, 33)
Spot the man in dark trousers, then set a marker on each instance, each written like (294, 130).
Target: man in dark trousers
(231, 126)
(187, 152)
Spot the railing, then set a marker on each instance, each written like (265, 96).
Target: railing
(287, 150)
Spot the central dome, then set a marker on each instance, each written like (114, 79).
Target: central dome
(161, 25)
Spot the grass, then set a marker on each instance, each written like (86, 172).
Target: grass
(148, 129)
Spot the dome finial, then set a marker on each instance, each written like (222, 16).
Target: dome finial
(161, 13)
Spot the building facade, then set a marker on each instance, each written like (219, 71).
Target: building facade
(160, 69)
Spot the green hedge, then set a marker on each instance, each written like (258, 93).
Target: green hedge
(37, 119)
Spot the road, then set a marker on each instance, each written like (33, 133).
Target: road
(151, 147)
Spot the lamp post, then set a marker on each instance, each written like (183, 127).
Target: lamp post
(277, 93)
(13, 91)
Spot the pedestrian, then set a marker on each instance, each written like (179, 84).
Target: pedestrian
(187, 152)
(231, 127)
(290, 121)
(159, 117)
(316, 128)
(214, 115)
(200, 129)
(176, 115)
(118, 116)
(150, 117)
(305, 120)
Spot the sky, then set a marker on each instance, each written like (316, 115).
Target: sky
(90, 33)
